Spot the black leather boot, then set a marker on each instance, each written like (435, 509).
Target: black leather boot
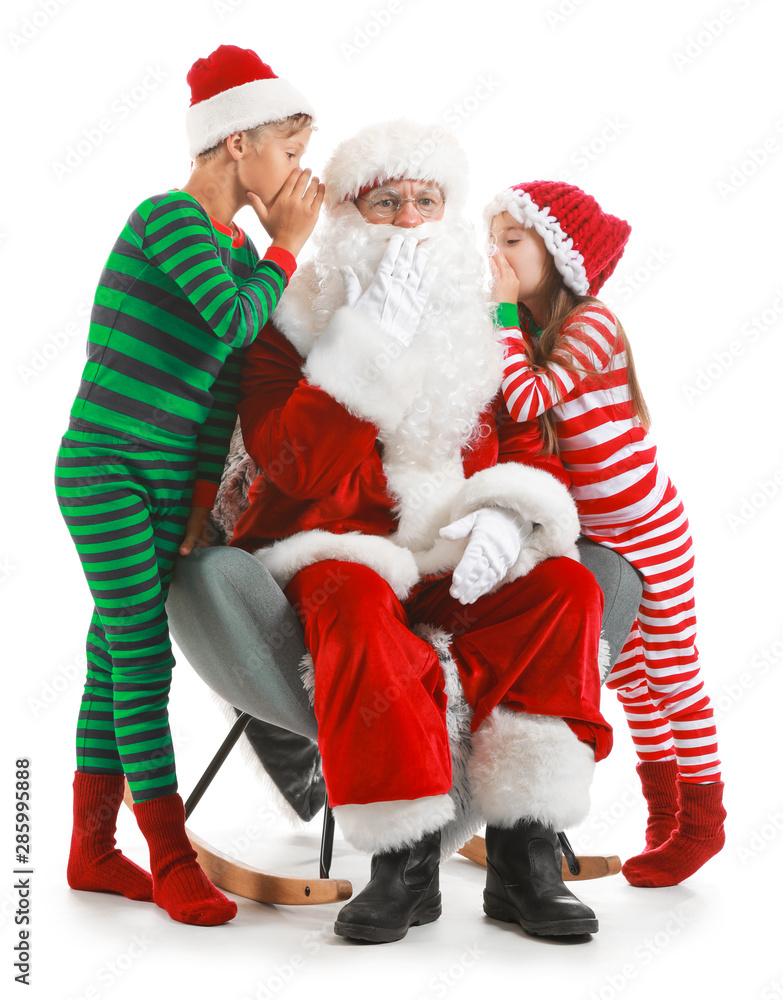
(402, 892)
(525, 883)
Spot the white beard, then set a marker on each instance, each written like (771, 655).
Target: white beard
(455, 334)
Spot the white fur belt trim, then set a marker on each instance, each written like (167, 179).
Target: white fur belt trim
(536, 496)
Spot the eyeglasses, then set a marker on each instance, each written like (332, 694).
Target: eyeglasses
(388, 202)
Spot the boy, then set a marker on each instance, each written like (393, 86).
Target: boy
(139, 466)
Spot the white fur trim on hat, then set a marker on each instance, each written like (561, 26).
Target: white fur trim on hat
(256, 103)
(397, 149)
(569, 262)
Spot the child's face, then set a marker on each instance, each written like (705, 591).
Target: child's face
(524, 250)
(266, 169)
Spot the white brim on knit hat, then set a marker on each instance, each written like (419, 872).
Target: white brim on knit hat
(256, 103)
(568, 261)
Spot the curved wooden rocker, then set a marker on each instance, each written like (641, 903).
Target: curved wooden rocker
(250, 882)
(575, 867)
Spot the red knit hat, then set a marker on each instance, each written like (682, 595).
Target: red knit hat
(233, 90)
(585, 242)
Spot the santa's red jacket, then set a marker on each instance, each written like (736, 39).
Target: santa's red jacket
(323, 476)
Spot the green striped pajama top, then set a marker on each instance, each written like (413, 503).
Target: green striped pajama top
(178, 297)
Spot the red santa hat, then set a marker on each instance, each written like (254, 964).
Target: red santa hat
(233, 90)
(585, 241)
(396, 150)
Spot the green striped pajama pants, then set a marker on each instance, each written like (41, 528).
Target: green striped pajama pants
(126, 505)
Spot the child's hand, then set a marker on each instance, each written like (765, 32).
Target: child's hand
(196, 531)
(293, 214)
(505, 285)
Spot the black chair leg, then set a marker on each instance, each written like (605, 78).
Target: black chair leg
(225, 749)
(327, 841)
(568, 853)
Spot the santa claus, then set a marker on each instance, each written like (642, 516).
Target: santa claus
(394, 492)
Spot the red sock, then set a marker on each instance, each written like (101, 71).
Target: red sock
(179, 884)
(659, 787)
(699, 836)
(94, 863)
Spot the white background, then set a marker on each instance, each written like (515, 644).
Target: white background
(671, 114)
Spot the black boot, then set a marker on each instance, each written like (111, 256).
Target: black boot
(402, 892)
(525, 883)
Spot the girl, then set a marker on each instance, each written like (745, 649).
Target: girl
(569, 364)
(140, 462)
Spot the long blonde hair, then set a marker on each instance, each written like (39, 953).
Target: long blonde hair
(561, 304)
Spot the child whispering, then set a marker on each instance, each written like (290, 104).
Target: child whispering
(183, 290)
(568, 363)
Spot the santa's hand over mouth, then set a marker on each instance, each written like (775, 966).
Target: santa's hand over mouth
(397, 295)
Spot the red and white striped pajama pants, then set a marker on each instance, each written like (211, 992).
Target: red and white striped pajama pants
(656, 675)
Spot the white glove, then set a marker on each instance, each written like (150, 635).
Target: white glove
(496, 539)
(397, 295)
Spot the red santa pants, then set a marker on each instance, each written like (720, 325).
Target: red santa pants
(379, 691)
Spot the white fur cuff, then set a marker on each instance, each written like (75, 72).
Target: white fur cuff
(378, 827)
(530, 767)
(535, 496)
(366, 370)
(394, 563)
